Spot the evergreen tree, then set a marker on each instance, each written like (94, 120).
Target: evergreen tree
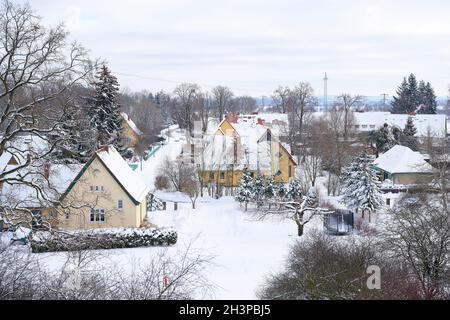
(385, 138)
(414, 97)
(413, 94)
(245, 191)
(428, 103)
(270, 189)
(105, 110)
(400, 104)
(74, 139)
(361, 186)
(259, 190)
(409, 135)
(294, 192)
(422, 93)
(281, 191)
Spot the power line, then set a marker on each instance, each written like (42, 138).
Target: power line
(180, 82)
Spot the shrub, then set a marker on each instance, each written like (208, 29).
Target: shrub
(102, 239)
(161, 183)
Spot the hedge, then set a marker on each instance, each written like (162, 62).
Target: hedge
(102, 239)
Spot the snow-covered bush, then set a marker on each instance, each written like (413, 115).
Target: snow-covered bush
(102, 239)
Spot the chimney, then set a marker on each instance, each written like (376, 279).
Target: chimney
(260, 122)
(232, 117)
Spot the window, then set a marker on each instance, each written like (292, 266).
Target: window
(97, 215)
(290, 172)
(364, 126)
(67, 216)
(211, 175)
(388, 201)
(222, 176)
(120, 204)
(97, 189)
(356, 127)
(372, 126)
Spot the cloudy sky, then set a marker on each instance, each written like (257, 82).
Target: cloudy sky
(253, 46)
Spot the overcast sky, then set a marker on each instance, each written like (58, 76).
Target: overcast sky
(366, 47)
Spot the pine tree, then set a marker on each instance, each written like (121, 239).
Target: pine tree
(409, 135)
(270, 188)
(413, 94)
(408, 99)
(427, 99)
(105, 110)
(74, 139)
(259, 190)
(361, 186)
(294, 192)
(245, 191)
(281, 191)
(385, 138)
(400, 103)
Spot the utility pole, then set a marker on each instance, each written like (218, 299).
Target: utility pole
(384, 95)
(325, 97)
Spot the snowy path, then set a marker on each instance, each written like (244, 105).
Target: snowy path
(172, 149)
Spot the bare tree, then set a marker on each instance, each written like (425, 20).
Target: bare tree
(419, 235)
(223, 97)
(38, 71)
(89, 275)
(186, 94)
(301, 210)
(321, 268)
(348, 103)
(281, 98)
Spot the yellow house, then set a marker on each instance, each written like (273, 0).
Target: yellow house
(131, 132)
(235, 146)
(106, 193)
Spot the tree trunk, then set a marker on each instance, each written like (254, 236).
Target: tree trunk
(300, 228)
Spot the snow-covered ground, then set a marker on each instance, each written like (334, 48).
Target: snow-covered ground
(243, 249)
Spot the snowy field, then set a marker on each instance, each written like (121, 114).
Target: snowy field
(243, 250)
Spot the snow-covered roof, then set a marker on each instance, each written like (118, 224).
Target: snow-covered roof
(402, 159)
(131, 123)
(5, 157)
(368, 121)
(24, 195)
(120, 169)
(252, 151)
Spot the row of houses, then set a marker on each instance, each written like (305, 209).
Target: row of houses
(106, 192)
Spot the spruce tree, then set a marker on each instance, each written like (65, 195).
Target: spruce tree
(413, 94)
(294, 192)
(409, 135)
(400, 104)
(245, 191)
(105, 110)
(427, 99)
(270, 188)
(259, 190)
(361, 186)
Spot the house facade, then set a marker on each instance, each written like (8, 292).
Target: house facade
(103, 193)
(236, 146)
(131, 133)
(114, 193)
(402, 170)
